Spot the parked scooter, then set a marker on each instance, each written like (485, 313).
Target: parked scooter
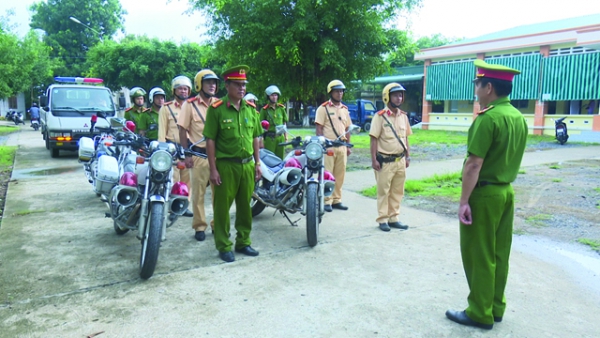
(299, 183)
(560, 128)
(18, 118)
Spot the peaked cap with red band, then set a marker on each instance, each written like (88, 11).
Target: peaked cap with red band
(486, 70)
(237, 73)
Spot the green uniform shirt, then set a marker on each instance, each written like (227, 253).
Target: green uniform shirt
(276, 117)
(135, 114)
(149, 123)
(498, 135)
(233, 131)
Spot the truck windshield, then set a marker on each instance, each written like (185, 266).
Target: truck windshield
(78, 101)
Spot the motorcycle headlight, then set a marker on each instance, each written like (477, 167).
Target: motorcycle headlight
(161, 161)
(314, 151)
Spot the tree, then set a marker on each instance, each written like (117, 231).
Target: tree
(69, 40)
(145, 62)
(406, 56)
(302, 45)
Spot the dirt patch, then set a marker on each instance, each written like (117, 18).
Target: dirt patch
(4, 179)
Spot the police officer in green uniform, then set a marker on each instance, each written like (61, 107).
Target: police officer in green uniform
(135, 112)
(276, 115)
(148, 125)
(495, 147)
(232, 131)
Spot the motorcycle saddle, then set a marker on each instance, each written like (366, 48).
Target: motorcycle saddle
(269, 158)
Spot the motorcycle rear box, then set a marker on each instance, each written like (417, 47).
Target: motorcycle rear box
(108, 174)
(86, 149)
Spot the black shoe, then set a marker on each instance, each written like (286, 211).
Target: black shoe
(328, 208)
(188, 213)
(462, 318)
(398, 225)
(227, 256)
(384, 227)
(248, 251)
(200, 236)
(339, 206)
(497, 319)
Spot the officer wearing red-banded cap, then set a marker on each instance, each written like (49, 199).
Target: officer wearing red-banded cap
(232, 132)
(390, 156)
(332, 119)
(495, 148)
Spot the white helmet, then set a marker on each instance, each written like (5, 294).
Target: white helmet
(156, 91)
(272, 90)
(250, 96)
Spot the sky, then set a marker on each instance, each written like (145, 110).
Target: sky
(451, 18)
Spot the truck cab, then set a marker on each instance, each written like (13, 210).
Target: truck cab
(66, 110)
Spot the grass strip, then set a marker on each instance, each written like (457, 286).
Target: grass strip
(446, 185)
(594, 244)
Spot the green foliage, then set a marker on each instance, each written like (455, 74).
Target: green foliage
(4, 130)
(70, 40)
(405, 56)
(556, 180)
(145, 62)
(594, 244)
(538, 220)
(447, 185)
(302, 45)
(370, 192)
(429, 137)
(7, 156)
(554, 166)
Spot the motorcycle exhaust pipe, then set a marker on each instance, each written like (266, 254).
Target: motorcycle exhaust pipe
(328, 188)
(290, 176)
(125, 195)
(178, 204)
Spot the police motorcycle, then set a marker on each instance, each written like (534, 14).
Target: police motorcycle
(147, 200)
(299, 182)
(560, 129)
(95, 151)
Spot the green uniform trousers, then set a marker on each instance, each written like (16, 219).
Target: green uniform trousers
(237, 183)
(271, 143)
(485, 249)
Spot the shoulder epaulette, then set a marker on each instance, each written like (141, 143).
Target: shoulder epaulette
(324, 103)
(381, 112)
(145, 110)
(168, 103)
(344, 106)
(217, 103)
(192, 99)
(486, 109)
(280, 105)
(250, 103)
(403, 112)
(266, 106)
(128, 109)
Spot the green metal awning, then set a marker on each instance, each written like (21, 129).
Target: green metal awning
(397, 78)
(571, 77)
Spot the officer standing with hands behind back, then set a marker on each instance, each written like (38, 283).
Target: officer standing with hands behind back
(232, 131)
(276, 115)
(495, 148)
(390, 156)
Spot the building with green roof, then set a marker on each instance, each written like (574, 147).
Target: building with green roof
(560, 65)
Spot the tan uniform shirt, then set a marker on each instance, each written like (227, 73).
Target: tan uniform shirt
(340, 116)
(167, 127)
(387, 143)
(191, 121)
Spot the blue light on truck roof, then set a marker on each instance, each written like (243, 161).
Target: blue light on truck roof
(66, 79)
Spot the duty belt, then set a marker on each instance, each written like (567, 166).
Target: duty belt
(199, 150)
(385, 158)
(270, 134)
(237, 159)
(484, 183)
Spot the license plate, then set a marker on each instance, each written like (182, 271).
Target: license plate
(59, 143)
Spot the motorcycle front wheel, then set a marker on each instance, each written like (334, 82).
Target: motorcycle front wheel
(255, 205)
(151, 241)
(312, 214)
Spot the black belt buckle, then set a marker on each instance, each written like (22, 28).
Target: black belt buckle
(237, 159)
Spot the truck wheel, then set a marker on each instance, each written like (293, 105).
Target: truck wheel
(367, 126)
(54, 152)
(47, 141)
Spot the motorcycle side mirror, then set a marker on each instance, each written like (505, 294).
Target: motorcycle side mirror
(122, 103)
(280, 129)
(354, 129)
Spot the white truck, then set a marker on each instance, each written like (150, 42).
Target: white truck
(67, 108)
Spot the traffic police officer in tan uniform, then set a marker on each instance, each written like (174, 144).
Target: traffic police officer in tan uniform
(168, 129)
(332, 120)
(232, 131)
(495, 148)
(390, 156)
(191, 122)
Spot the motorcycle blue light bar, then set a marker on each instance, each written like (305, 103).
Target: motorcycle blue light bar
(80, 80)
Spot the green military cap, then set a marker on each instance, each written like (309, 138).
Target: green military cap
(237, 73)
(500, 72)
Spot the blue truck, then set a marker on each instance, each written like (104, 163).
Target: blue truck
(361, 113)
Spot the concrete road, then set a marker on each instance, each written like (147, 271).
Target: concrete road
(65, 273)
